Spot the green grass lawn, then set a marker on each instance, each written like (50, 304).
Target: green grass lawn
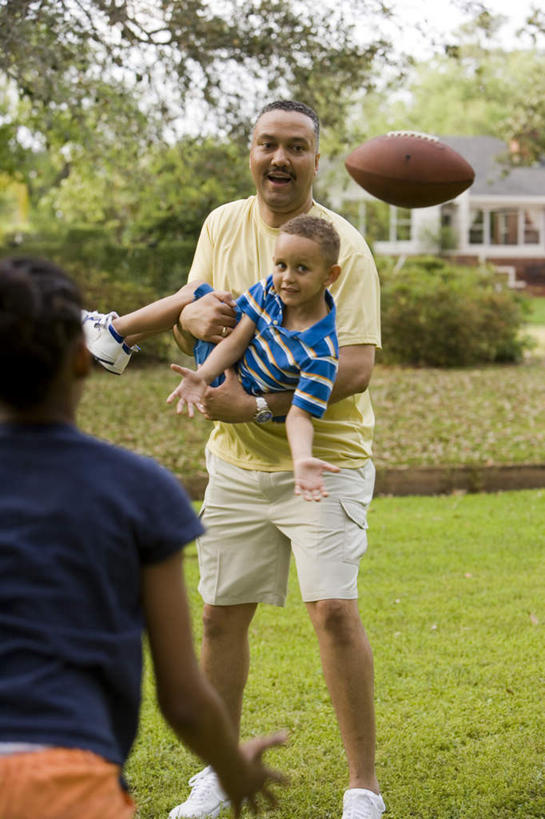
(451, 593)
(537, 311)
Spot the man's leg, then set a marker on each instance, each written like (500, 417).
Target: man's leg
(347, 663)
(225, 654)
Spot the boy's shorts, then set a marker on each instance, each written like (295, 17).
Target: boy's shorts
(254, 522)
(61, 783)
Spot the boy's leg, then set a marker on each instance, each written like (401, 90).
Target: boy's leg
(111, 338)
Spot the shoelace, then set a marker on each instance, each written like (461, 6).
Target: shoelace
(203, 784)
(358, 809)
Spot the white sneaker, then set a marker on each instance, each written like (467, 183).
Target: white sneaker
(359, 803)
(99, 338)
(104, 344)
(206, 800)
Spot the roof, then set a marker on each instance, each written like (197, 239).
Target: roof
(493, 174)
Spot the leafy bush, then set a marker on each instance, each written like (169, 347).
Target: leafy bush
(440, 315)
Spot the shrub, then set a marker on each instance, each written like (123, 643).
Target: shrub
(440, 315)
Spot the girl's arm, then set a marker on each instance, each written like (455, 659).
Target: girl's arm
(186, 698)
(307, 469)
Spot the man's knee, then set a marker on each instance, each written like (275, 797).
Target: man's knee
(338, 618)
(220, 622)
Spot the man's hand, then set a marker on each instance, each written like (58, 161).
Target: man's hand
(228, 402)
(211, 317)
(258, 777)
(189, 391)
(308, 474)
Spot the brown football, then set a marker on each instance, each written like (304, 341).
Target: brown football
(409, 169)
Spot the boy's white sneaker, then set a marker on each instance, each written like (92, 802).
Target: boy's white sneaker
(206, 800)
(360, 803)
(99, 338)
(104, 343)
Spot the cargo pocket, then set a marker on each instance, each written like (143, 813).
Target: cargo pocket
(355, 529)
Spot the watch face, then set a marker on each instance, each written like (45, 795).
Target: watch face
(263, 416)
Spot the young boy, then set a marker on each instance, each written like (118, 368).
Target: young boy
(285, 340)
(90, 552)
(288, 326)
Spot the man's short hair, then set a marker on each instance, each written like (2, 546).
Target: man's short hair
(319, 231)
(299, 108)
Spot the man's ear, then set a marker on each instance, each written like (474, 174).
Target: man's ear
(316, 163)
(81, 360)
(333, 275)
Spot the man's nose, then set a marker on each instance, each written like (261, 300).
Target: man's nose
(280, 156)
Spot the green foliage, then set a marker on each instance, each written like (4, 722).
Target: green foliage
(473, 87)
(67, 58)
(440, 315)
(137, 217)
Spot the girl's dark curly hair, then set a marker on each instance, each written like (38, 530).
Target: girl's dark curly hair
(40, 316)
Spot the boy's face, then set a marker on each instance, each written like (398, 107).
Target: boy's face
(300, 274)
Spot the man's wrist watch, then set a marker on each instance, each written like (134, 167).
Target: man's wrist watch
(263, 411)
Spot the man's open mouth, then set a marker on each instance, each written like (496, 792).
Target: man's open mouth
(279, 178)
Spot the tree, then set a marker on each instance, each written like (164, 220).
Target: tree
(474, 87)
(61, 53)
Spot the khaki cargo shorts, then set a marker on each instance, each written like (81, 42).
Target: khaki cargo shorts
(254, 522)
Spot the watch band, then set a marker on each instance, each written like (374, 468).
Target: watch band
(263, 411)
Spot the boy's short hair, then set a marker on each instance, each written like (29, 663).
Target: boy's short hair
(40, 316)
(319, 231)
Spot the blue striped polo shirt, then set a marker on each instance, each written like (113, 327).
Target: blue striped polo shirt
(279, 359)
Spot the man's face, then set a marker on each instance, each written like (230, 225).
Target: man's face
(283, 162)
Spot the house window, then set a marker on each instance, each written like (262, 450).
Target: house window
(476, 229)
(504, 227)
(400, 225)
(531, 226)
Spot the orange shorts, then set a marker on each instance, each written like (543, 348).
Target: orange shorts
(61, 783)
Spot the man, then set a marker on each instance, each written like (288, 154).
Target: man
(253, 519)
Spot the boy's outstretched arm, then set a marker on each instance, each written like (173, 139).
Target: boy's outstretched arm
(191, 389)
(188, 701)
(307, 470)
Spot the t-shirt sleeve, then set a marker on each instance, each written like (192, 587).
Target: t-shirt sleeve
(357, 290)
(357, 299)
(315, 384)
(252, 301)
(166, 520)
(202, 265)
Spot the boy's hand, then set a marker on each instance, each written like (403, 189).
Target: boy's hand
(189, 391)
(308, 478)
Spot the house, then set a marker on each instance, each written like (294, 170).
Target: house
(499, 219)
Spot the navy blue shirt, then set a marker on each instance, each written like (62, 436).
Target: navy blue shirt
(78, 520)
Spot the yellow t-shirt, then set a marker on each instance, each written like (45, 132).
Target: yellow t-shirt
(235, 250)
